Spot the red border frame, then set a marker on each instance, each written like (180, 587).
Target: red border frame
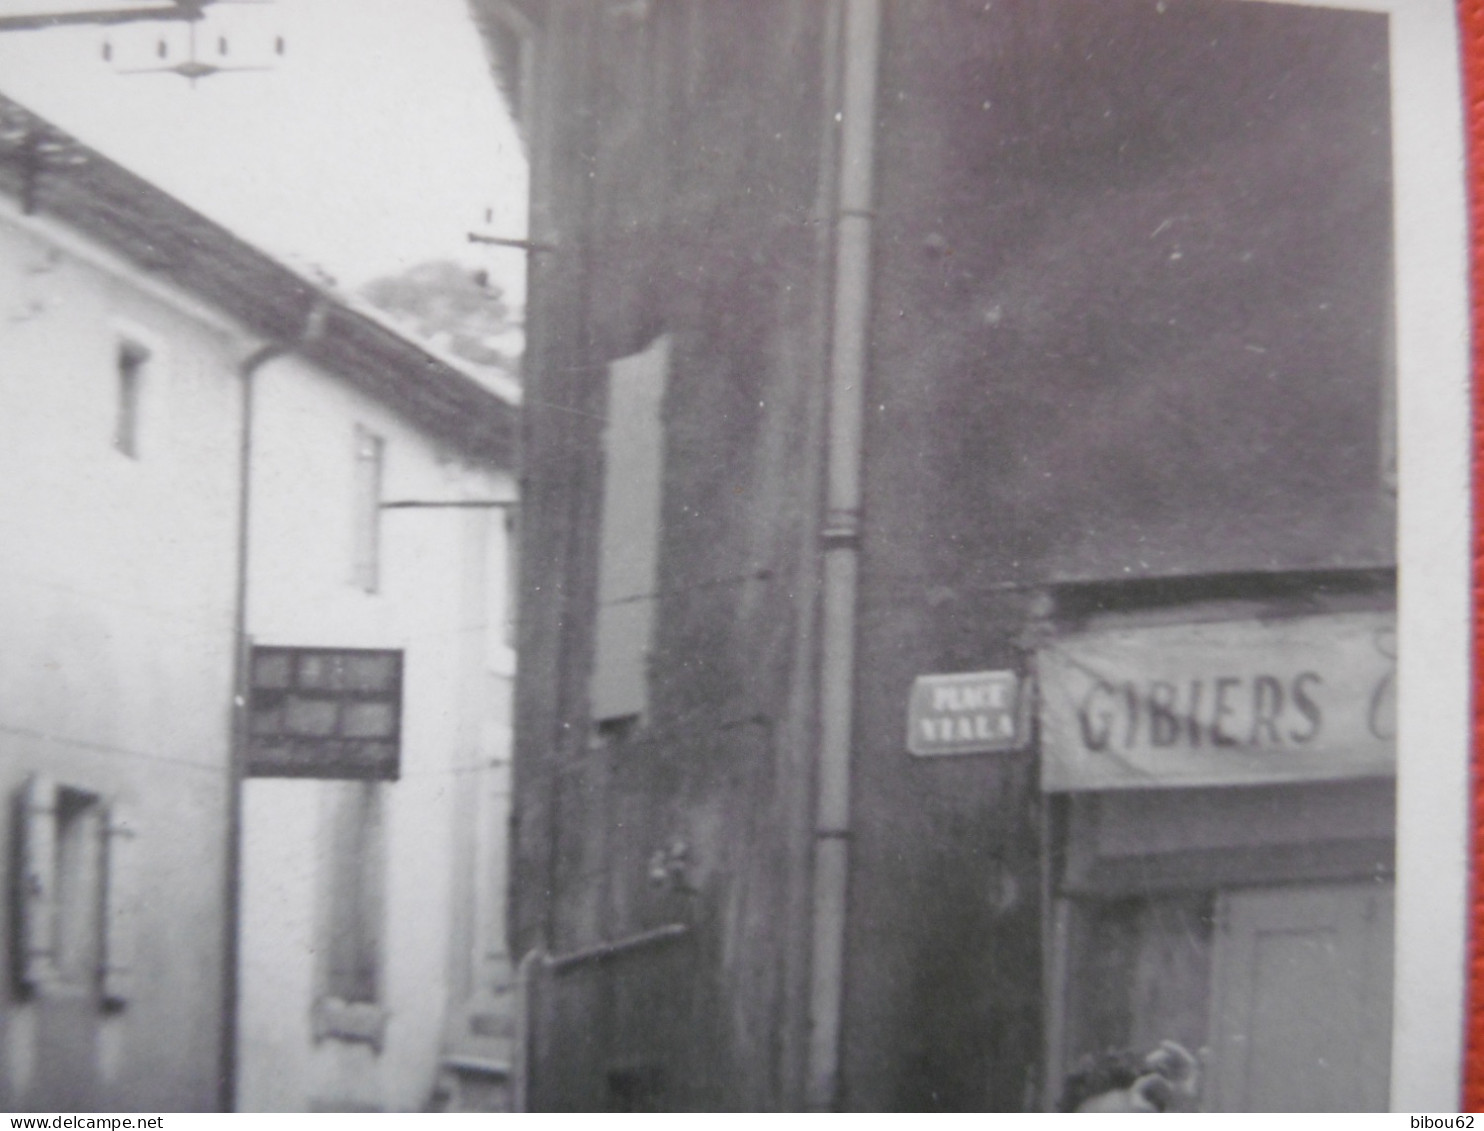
(1471, 36)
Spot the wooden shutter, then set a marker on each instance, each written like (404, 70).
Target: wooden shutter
(37, 881)
(120, 905)
(628, 552)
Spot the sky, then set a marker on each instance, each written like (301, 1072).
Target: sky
(376, 141)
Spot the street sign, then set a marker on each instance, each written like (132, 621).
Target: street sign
(967, 713)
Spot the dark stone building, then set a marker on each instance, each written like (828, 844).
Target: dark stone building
(1042, 343)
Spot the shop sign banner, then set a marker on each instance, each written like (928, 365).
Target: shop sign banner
(330, 713)
(1220, 703)
(966, 713)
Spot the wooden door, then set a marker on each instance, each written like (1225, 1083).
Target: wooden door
(1301, 999)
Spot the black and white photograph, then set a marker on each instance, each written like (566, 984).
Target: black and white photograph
(732, 556)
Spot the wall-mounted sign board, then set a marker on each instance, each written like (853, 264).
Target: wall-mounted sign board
(324, 713)
(967, 713)
(1233, 702)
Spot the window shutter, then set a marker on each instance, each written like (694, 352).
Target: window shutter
(37, 881)
(629, 539)
(120, 907)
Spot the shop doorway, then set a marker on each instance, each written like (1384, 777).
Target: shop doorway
(1301, 999)
(1251, 925)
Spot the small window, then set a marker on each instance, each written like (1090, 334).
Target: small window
(366, 551)
(79, 886)
(131, 363)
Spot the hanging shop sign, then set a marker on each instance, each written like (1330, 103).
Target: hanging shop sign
(1220, 703)
(967, 713)
(324, 713)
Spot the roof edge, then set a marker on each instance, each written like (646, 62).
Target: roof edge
(53, 174)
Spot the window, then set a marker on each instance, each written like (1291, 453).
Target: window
(628, 552)
(79, 885)
(131, 363)
(353, 967)
(370, 452)
(76, 897)
(353, 883)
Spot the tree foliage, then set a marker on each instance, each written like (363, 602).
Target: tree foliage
(457, 309)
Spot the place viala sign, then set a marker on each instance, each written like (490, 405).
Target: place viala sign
(967, 713)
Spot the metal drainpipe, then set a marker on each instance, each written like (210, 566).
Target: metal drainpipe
(841, 548)
(232, 917)
(521, 1052)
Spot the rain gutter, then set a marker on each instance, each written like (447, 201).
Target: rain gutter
(840, 546)
(247, 371)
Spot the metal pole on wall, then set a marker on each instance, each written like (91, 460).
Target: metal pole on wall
(841, 548)
(237, 707)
